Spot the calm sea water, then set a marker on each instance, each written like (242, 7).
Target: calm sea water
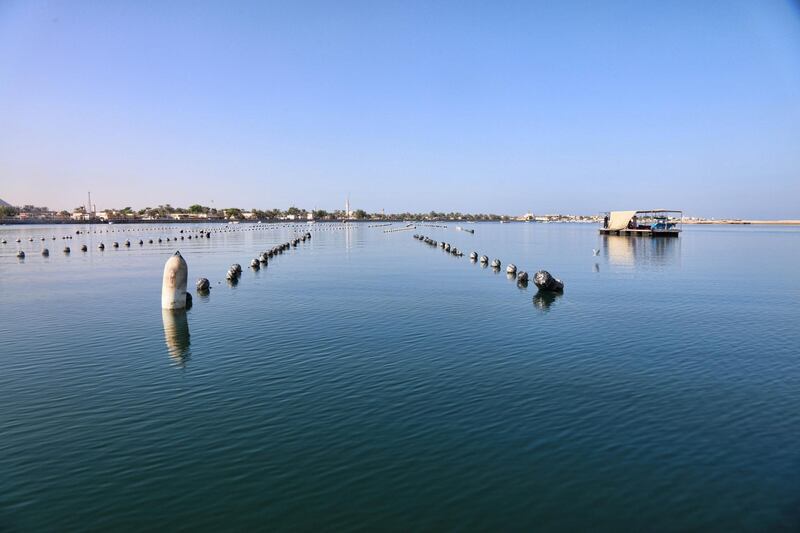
(365, 380)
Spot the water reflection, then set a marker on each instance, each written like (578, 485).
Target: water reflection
(543, 300)
(176, 334)
(629, 251)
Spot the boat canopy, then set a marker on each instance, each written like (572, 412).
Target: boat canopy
(618, 220)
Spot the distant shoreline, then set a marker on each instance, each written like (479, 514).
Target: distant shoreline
(745, 222)
(41, 222)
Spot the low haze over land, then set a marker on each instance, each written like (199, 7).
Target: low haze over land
(504, 107)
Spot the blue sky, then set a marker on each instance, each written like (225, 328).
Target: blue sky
(464, 106)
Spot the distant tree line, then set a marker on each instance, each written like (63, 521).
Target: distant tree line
(164, 211)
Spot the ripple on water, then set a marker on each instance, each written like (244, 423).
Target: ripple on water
(366, 380)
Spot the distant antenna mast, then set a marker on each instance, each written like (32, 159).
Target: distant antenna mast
(89, 206)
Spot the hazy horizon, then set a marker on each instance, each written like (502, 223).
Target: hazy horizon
(504, 108)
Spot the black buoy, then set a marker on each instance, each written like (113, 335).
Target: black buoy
(546, 282)
(20, 255)
(66, 249)
(203, 285)
(45, 252)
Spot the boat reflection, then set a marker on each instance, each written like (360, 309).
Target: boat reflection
(176, 334)
(630, 251)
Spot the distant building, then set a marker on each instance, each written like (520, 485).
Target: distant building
(348, 213)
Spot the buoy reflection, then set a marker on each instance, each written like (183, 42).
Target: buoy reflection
(543, 300)
(176, 334)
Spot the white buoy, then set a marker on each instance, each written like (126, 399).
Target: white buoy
(173, 287)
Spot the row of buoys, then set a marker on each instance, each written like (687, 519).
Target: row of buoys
(543, 280)
(235, 271)
(399, 229)
(201, 233)
(101, 246)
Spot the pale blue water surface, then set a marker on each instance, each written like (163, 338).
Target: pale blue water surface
(365, 380)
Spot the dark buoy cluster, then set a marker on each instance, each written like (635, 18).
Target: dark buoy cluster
(203, 285)
(446, 246)
(426, 240)
(234, 273)
(544, 281)
(46, 252)
(20, 255)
